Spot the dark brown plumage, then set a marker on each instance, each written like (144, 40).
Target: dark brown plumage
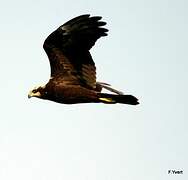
(73, 71)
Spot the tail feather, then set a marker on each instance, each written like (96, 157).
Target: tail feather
(113, 98)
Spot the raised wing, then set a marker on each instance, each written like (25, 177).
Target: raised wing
(68, 49)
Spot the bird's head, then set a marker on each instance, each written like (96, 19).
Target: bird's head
(37, 92)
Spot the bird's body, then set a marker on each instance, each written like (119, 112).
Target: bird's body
(73, 71)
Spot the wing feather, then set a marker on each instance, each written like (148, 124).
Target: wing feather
(68, 49)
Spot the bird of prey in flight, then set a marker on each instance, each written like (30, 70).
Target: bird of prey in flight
(73, 71)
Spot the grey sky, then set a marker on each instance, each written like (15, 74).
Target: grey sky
(145, 55)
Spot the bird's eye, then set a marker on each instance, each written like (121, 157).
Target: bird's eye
(34, 91)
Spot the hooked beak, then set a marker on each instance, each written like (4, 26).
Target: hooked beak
(30, 95)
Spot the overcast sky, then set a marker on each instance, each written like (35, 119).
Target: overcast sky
(145, 55)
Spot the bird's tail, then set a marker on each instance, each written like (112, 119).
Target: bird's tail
(114, 98)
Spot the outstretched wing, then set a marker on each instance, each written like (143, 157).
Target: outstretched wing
(68, 50)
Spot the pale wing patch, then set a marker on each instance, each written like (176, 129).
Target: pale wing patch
(107, 100)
